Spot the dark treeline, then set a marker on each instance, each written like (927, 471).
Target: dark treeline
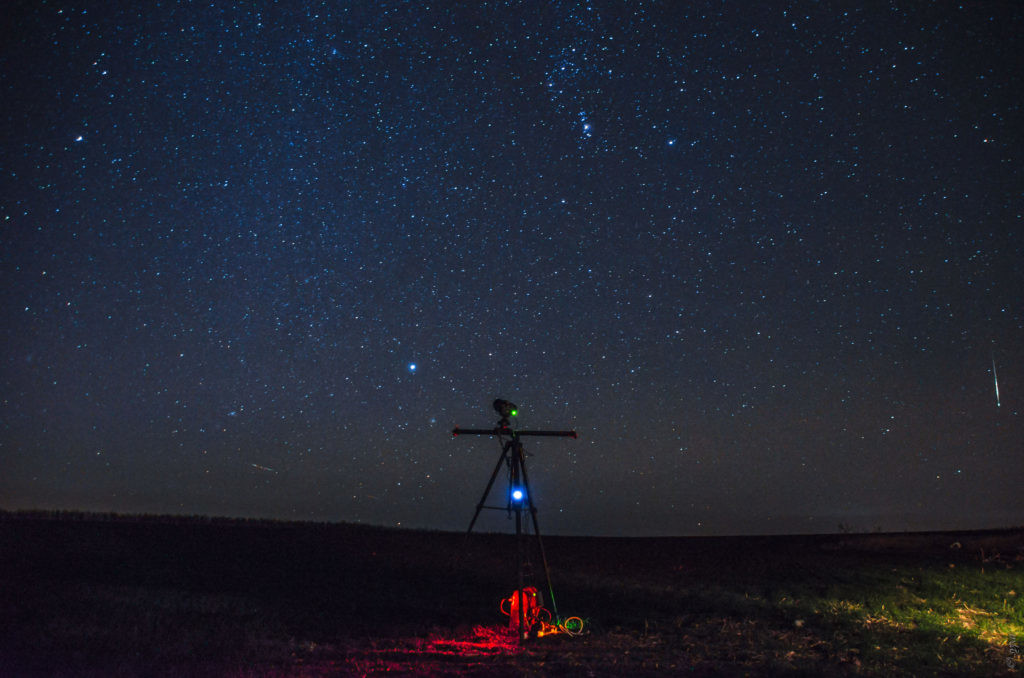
(45, 514)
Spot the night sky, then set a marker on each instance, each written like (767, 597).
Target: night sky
(766, 259)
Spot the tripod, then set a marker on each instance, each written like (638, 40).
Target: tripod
(519, 497)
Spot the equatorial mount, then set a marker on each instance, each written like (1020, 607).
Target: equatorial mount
(504, 428)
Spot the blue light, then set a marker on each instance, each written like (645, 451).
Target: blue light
(412, 367)
(517, 495)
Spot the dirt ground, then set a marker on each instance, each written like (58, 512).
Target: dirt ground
(113, 596)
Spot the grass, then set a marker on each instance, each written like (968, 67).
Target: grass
(132, 597)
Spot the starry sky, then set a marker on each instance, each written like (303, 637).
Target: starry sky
(259, 258)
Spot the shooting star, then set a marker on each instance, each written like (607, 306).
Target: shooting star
(263, 468)
(995, 378)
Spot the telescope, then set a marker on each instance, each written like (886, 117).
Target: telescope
(505, 408)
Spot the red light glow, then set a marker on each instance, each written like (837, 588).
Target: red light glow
(474, 651)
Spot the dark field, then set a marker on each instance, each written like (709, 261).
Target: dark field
(93, 596)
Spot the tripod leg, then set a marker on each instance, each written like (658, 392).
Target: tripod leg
(490, 483)
(521, 460)
(523, 631)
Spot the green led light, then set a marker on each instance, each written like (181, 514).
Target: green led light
(514, 412)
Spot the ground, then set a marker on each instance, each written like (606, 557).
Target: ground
(117, 596)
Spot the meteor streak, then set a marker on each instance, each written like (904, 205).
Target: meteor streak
(262, 468)
(995, 378)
